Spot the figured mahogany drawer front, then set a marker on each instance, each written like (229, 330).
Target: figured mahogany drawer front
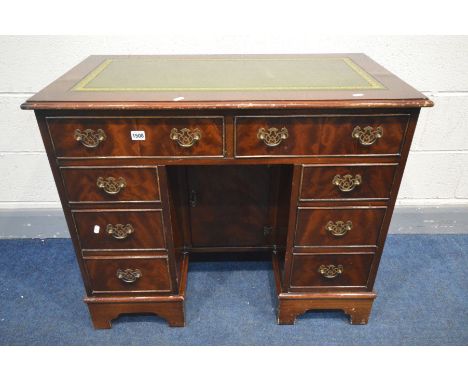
(129, 275)
(347, 182)
(110, 184)
(159, 137)
(320, 135)
(330, 269)
(325, 226)
(120, 229)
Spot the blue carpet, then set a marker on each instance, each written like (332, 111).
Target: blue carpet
(422, 300)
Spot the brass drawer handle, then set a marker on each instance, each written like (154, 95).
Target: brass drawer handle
(273, 136)
(119, 231)
(129, 275)
(186, 137)
(110, 185)
(339, 228)
(367, 135)
(330, 271)
(347, 182)
(90, 138)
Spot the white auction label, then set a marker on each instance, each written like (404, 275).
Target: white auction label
(97, 229)
(138, 135)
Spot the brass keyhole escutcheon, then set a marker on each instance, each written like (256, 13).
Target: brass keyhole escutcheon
(111, 185)
(330, 271)
(186, 137)
(339, 228)
(273, 136)
(347, 183)
(90, 138)
(129, 275)
(120, 231)
(368, 135)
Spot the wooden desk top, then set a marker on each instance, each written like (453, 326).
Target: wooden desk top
(236, 81)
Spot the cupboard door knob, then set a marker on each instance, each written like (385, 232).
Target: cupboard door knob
(339, 228)
(90, 138)
(186, 137)
(128, 275)
(273, 136)
(367, 135)
(330, 271)
(119, 231)
(347, 182)
(110, 185)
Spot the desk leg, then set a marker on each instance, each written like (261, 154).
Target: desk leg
(357, 305)
(103, 312)
(105, 309)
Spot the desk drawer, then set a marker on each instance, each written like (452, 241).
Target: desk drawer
(110, 184)
(331, 182)
(120, 229)
(163, 137)
(129, 275)
(330, 226)
(320, 135)
(330, 270)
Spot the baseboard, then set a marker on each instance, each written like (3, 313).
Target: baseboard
(446, 219)
(50, 223)
(37, 223)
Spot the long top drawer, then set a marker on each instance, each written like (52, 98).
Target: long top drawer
(352, 135)
(137, 136)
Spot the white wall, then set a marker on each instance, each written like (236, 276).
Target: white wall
(437, 170)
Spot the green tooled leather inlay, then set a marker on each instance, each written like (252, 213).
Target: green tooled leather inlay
(227, 74)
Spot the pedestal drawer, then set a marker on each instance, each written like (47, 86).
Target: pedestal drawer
(350, 135)
(363, 181)
(138, 136)
(129, 275)
(110, 184)
(333, 269)
(120, 229)
(331, 226)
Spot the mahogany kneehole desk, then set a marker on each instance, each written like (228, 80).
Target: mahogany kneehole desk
(159, 158)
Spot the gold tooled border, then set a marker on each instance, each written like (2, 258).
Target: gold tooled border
(80, 86)
(373, 83)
